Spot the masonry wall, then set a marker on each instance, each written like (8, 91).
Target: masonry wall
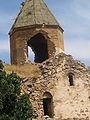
(69, 102)
(20, 36)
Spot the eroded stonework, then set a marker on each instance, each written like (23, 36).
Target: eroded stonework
(69, 102)
(62, 89)
(20, 37)
(35, 18)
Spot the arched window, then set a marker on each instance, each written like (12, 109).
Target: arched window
(39, 46)
(70, 76)
(48, 104)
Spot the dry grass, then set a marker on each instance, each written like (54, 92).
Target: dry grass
(27, 70)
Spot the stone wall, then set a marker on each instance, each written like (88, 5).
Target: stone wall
(69, 102)
(89, 69)
(20, 36)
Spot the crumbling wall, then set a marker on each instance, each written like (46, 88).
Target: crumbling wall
(20, 36)
(69, 102)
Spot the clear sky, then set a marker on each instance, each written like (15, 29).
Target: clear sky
(73, 16)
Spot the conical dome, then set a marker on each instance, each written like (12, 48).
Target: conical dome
(37, 28)
(35, 12)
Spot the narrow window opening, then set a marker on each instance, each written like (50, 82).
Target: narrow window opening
(71, 80)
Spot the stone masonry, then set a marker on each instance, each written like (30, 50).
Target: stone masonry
(20, 37)
(35, 18)
(69, 102)
(62, 89)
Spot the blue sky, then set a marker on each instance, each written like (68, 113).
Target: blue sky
(73, 16)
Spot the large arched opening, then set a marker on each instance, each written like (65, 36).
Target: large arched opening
(39, 46)
(48, 104)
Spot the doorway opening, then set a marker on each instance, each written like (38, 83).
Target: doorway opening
(39, 46)
(48, 104)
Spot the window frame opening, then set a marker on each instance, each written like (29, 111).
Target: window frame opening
(71, 81)
(48, 105)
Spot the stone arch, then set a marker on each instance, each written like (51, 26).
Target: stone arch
(35, 32)
(39, 45)
(39, 42)
(48, 104)
(51, 45)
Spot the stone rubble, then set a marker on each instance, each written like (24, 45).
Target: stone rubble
(70, 102)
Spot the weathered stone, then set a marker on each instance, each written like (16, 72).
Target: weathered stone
(62, 89)
(28, 30)
(70, 102)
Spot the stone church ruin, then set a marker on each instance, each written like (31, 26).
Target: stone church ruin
(62, 89)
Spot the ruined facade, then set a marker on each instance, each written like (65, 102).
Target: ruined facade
(35, 26)
(62, 89)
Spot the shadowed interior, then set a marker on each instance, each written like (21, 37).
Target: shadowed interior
(71, 80)
(48, 105)
(38, 44)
